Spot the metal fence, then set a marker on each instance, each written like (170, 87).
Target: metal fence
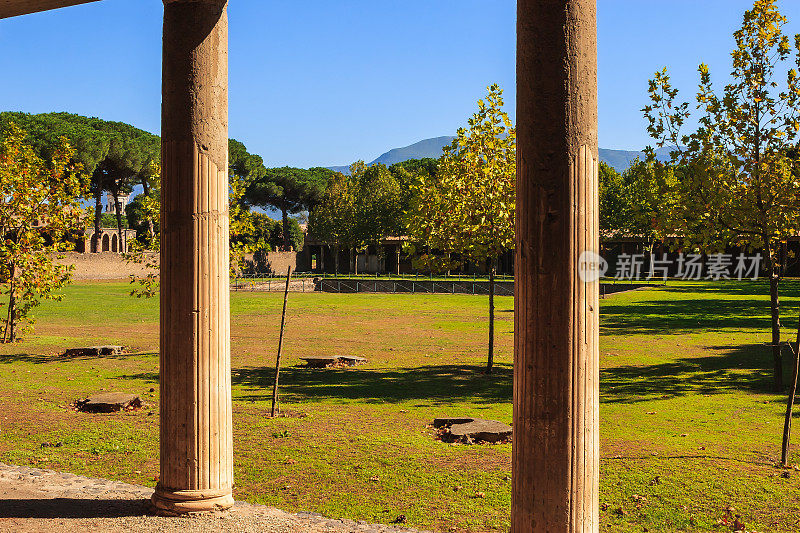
(413, 283)
(401, 286)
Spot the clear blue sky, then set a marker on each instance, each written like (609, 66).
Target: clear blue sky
(324, 82)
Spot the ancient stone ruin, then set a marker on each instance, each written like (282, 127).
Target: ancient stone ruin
(109, 402)
(94, 351)
(471, 430)
(333, 361)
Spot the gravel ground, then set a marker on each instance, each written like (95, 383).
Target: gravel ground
(34, 500)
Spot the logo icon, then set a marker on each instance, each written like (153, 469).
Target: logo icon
(591, 267)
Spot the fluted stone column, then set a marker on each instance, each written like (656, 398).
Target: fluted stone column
(196, 441)
(555, 443)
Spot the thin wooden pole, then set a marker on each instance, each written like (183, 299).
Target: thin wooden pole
(490, 361)
(787, 424)
(280, 344)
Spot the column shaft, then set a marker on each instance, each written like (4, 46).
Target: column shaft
(196, 436)
(555, 444)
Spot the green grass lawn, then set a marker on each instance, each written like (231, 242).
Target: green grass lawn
(689, 426)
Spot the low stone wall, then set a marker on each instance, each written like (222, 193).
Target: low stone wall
(103, 265)
(278, 262)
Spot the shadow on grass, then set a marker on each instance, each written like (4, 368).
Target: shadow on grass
(73, 508)
(444, 384)
(711, 307)
(739, 368)
(39, 359)
(685, 316)
(788, 288)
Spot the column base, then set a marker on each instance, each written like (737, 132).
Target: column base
(191, 501)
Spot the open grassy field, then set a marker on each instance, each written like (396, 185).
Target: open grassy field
(689, 426)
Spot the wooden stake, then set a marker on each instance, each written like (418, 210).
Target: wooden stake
(280, 345)
(787, 424)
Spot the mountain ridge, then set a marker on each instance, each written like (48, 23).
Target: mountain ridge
(617, 159)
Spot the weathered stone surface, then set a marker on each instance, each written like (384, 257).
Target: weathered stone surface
(333, 360)
(319, 362)
(352, 360)
(109, 402)
(31, 497)
(472, 429)
(444, 422)
(90, 351)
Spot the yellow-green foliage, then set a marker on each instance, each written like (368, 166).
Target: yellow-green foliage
(467, 207)
(735, 179)
(39, 206)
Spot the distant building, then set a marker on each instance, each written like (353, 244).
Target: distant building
(110, 206)
(109, 240)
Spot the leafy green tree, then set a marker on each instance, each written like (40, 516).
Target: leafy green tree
(144, 212)
(406, 171)
(467, 207)
(614, 204)
(109, 220)
(116, 155)
(380, 204)
(266, 234)
(732, 181)
(39, 208)
(333, 220)
(291, 190)
(277, 235)
(359, 210)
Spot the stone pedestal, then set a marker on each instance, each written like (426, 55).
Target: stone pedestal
(196, 438)
(555, 441)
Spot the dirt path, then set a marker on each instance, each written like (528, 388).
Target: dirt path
(34, 500)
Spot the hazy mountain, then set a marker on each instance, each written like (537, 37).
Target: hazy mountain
(622, 159)
(618, 159)
(426, 148)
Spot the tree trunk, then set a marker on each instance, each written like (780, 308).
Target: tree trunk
(98, 215)
(776, 330)
(118, 212)
(336, 259)
(285, 223)
(787, 424)
(9, 335)
(151, 229)
(784, 258)
(398, 259)
(490, 361)
(12, 317)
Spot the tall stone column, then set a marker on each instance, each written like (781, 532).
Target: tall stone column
(555, 444)
(196, 438)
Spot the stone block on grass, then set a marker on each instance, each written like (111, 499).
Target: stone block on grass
(94, 351)
(110, 402)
